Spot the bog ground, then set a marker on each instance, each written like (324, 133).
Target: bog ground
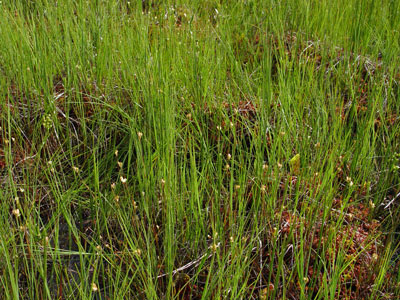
(199, 149)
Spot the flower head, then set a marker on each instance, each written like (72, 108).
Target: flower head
(94, 287)
(16, 212)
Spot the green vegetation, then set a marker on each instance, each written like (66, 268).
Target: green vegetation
(199, 149)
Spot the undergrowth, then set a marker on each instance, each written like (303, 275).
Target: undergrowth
(184, 150)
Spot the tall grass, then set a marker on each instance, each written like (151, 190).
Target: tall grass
(148, 149)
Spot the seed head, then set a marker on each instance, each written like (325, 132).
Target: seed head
(16, 212)
(371, 204)
(94, 287)
(214, 247)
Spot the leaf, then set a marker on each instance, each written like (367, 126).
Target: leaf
(294, 164)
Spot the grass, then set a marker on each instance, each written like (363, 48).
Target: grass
(199, 150)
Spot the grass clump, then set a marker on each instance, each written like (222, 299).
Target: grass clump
(241, 150)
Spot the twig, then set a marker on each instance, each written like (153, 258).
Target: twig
(188, 265)
(391, 202)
